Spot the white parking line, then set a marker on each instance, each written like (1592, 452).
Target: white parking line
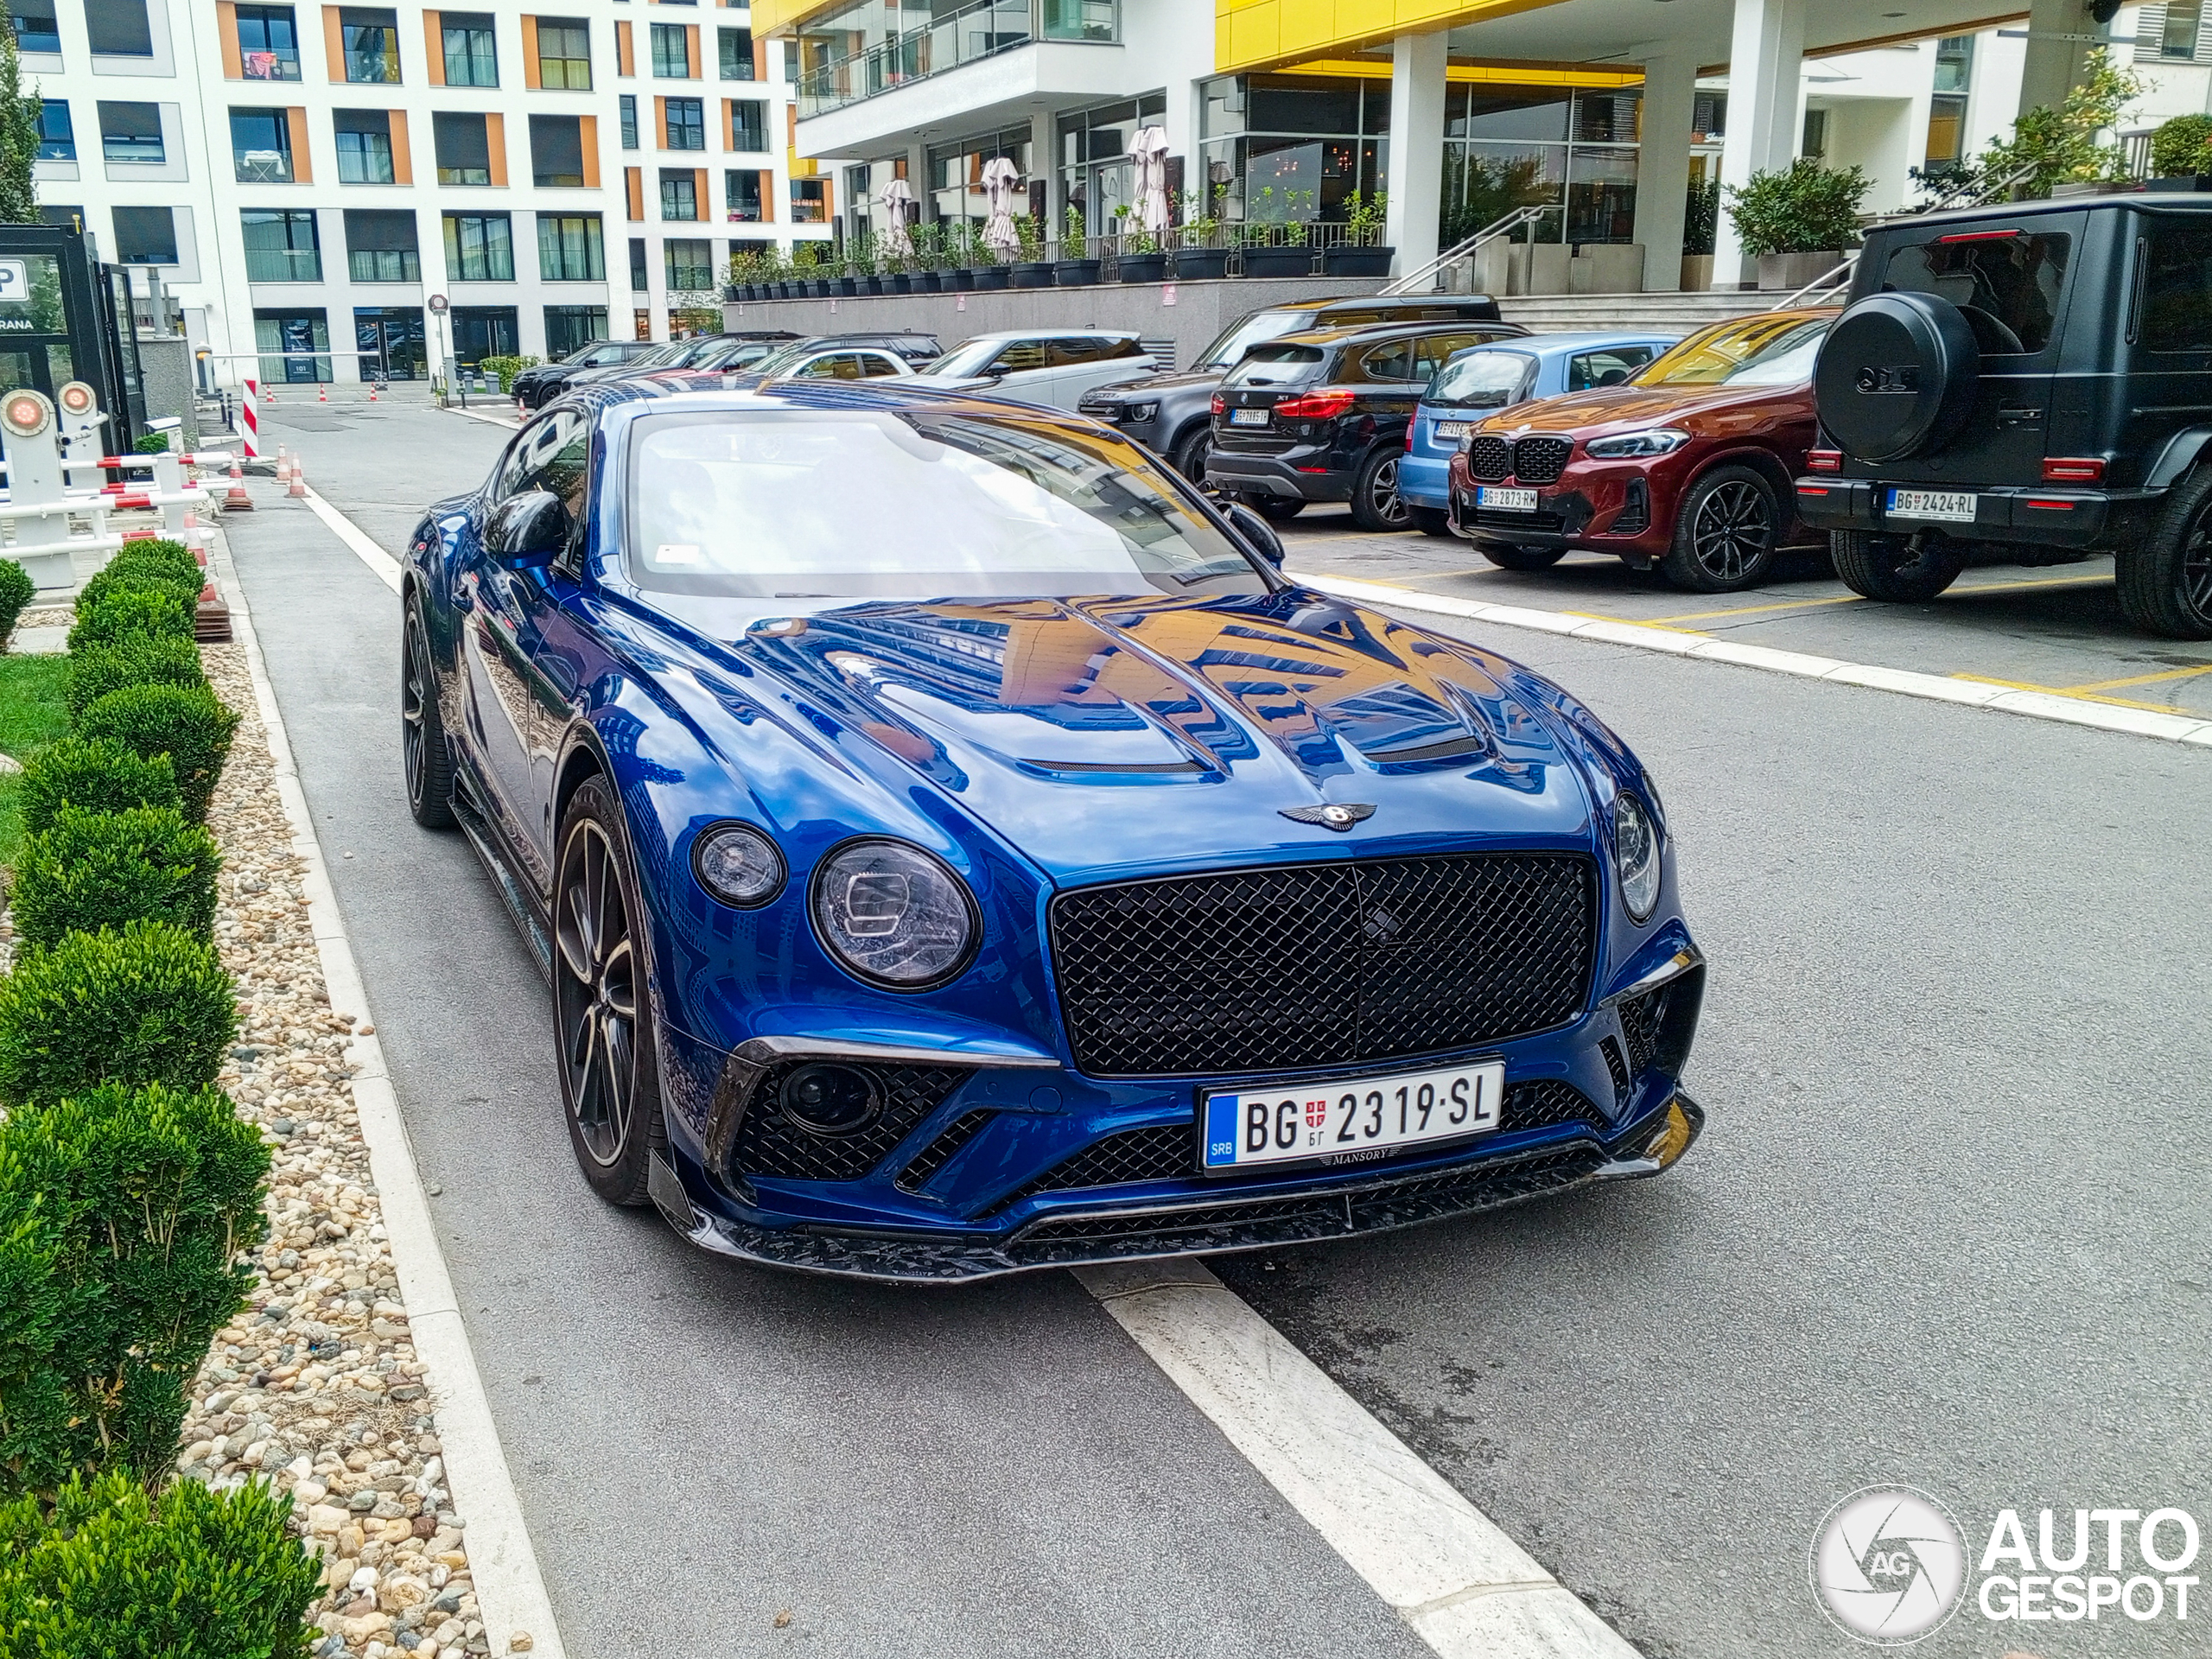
(1468, 1590)
(385, 567)
(2037, 705)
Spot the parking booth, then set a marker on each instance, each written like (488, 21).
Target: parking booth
(65, 316)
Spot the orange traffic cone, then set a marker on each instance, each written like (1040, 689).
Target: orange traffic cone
(299, 488)
(323, 393)
(236, 499)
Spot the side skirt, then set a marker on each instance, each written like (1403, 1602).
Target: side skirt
(522, 908)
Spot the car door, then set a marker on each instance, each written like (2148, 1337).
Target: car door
(1394, 373)
(1094, 361)
(1024, 370)
(882, 365)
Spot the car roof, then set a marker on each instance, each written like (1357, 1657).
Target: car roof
(1369, 331)
(2158, 201)
(1056, 334)
(605, 399)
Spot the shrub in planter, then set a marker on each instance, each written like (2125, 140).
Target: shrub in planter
(139, 1205)
(137, 580)
(140, 1004)
(2182, 148)
(190, 1575)
(95, 776)
(190, 724)
(1804, 208)
(152, 611)
(17, 589)
(151, 555)
(89, 870)
(136, 659)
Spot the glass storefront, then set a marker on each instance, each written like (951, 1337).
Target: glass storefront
(956, 176)
(1293, 148)
(1096, 173)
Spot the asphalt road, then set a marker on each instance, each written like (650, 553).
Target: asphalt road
(1947, 1228)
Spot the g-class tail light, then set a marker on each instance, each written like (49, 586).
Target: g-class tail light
(1824, 460)
(2073, 469)
(1315, 406)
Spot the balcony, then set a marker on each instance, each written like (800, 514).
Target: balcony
(968, 35)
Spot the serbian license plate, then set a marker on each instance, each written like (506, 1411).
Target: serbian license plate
(1450, 432)
(1248, 417)
(1489, 495)
(1945, 506)
(1351, 1122)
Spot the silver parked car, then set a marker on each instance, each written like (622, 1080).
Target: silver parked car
(1052, 367)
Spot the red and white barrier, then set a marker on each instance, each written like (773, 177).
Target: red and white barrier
(250, 420)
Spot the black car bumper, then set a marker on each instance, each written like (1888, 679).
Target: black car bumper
(2048, 517)
(1560, 520)
(1275, 475)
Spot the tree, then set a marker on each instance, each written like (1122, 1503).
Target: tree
(19, 114)
(2048, 147)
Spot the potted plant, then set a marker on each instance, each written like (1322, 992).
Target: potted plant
(1073, 270)
(989, 268)
(1360, 253)
(1700, 223)
(1797, 222)
(773, 267)
(1031, 268)
(1276, 247)
(929, 254)
(1199, 254)
(959, 275)
(1141, 257)
(2181, 154)
(806, 271)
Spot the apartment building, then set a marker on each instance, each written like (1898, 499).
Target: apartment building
(306, 179)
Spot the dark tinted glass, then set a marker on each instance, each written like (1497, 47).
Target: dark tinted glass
(2008, 288)
(1303, 109)
(2177, 314)
(1512, 115)
(1279, 365)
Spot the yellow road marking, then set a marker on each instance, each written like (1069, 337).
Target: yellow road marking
(1748, 610)
(2046, 581)
(2076, 696)
(2142, 679)
(1633, 622)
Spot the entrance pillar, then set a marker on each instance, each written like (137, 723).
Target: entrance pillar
(1415, 178)
(1662, 164)
(1765, 66)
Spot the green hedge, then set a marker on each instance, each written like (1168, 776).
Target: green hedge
(188, 724)
(124, 1217)
(139, 660)
(139, 579)
(89, 870)
(17, 589)
(140, 1004)
(158, 553)
(97, 777)
(139, 610)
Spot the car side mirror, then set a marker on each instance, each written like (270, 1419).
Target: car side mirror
(1257, 532)
(526, 527)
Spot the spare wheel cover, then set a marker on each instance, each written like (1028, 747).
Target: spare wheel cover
(1896, 376)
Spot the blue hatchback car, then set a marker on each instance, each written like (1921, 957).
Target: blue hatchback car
(1484, 379)
(955, 848)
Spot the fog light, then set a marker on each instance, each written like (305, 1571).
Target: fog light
(829, 1100)
(1673, 1138)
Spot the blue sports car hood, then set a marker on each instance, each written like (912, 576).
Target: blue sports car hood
(1108, 736)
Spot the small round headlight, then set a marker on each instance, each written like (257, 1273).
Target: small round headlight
(738, 864)
(829, 1100)
(1636, 852)
(894, 914)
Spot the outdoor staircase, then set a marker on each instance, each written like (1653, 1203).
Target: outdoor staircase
(1665, 313)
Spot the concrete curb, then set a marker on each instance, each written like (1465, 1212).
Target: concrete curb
(510, 1594)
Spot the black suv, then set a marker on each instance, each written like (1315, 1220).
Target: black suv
(542, 383)
(2032, 382)
(1322, 415)
(1171, 415)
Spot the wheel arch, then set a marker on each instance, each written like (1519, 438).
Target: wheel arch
(583, 756)
(2181, 453)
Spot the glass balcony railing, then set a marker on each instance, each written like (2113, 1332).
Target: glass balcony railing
(982, 30)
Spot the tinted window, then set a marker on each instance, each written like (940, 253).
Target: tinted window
(1241, 336)
(1071, 349)
(1018, 354)
(837, 365)
(2177, 313)
(1434, 352)
(1604, 368)
(1483, 380)
(1279, 365)
(2007, 287)
(1392, 361)
(875, 365)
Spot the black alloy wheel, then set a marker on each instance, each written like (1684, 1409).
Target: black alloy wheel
(1190, 457)
(1376, 503)
(1725, 532)
(2166, 578)
(1527, 556)
(602, 1014)
(424, 753)
(1901, 570)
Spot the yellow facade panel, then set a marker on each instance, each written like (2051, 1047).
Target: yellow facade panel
(1261, 33)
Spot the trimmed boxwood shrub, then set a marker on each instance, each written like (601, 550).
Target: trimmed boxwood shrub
(137, 659)
(139, 610)
(143, 1003)
(138, 579)
(17, 589)
(190, 724)
(98, 776)
(157, 553)
(89, 870)
(137, 1206)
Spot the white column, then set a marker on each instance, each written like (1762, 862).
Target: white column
(1045, 163)
(1765, 65)
(1662, 164)
(1415, 177)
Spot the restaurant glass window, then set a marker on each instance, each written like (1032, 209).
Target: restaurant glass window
(569, 328)
(956, 174)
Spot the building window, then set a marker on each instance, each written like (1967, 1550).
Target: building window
(289, 340)
(2178, 33)
(571, 327)
(671, 52)
(735, 50)
(748, 124)
(145, 236)
(261, 146)
(689, 263)
(281, 245)
(68, 219)
(269, 43)
(790, 62)
(686, 123)
(57, 139)
(679, 194)
(556, 151)
(569, 248)
(1947, 131)
(371, 43)
(363, 146)
(1954, 63)
(480, 248)
(638, 264)
(472, 55)
(36, 31)
(131, 132)
(118, 28)
(810, 201)
(463, 147)
(641, 323)
(741, 196)
(629, 121)
(1813, 140)
(380, 245)
(564, 54)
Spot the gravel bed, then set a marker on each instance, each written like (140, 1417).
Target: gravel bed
(316, 1385)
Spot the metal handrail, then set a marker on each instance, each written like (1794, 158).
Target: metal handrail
(1826, 283)
(947, 42)
(1504, 225)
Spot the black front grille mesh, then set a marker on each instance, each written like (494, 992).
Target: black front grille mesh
(1640, 1017)
(1335, 964)
(767, 1144)
(1489, 459)
(1540, 460)
(942, 1151)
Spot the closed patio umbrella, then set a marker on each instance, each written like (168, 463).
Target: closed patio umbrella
(1000, 176)
(894, 197)
(1148, 150)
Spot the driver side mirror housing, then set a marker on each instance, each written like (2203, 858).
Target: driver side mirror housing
(1258, 535)
(528, 526)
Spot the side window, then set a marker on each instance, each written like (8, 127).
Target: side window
(1126, 348)
(2175, 287)
(1604, 368)
(1393, 361)
(552, 454)
(823, 367)
(1434, 352)
(875, 365)
(1018, 354)
(1071, 349)
(2007, 286)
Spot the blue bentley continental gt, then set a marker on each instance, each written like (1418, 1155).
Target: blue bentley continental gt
(956, 847)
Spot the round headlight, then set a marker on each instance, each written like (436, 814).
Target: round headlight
(829, 1100)
(1636, 851)
(894, 914)
(738, 864)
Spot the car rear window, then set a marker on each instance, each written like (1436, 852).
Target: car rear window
(2175, 311)
(2007, 286)
(1605, 368)
(1279, 365)
(1483, 380)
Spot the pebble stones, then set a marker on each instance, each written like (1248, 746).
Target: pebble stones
(316, 1386)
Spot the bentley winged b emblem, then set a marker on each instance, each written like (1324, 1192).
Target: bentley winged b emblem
(1338, 816)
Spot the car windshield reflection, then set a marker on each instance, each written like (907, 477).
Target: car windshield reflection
(1767, 351)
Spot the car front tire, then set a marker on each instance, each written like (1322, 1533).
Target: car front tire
(1726, 532)
(1189, 456)
(1376, 503)
(1886, 568)
(1520, 558)
(2165, 580)
(426, 758)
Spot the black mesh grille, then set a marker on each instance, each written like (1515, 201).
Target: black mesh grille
(1489, 459)
(1546, 1103)
(1332, 963)
(1540, 460)
(1640, 1018)
(1611, 1048)
(941, 1151)
(768, 1145)
(1549, 523)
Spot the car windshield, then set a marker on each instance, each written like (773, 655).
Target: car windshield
(735, 354)
(785, 357)
(955, 504)
(1482, 381)
(1241, 336)
(968, 358)
(661, 356)
(1765, 351)
(591, 357)
(1279, 365)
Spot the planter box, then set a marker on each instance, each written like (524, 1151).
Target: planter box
(1785, 273)
(1143, 268)
(844, 287)
(959, 279)
(1358, 262)
(2185, 181)
(1030, 273)
(1276, 261)
(1201, 265)
(1606, 268)
(870, 284)
(989, 277)
(898, 282)
(928, 282)
(1075, 273)
(1697, 272)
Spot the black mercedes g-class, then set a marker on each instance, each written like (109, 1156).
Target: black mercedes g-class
(2031, 383)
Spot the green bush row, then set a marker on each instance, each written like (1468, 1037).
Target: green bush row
(87, 870)
(17, 590)
(145, 1003)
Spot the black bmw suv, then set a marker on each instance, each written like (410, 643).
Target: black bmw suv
(1322, 415)
(2031, 382)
